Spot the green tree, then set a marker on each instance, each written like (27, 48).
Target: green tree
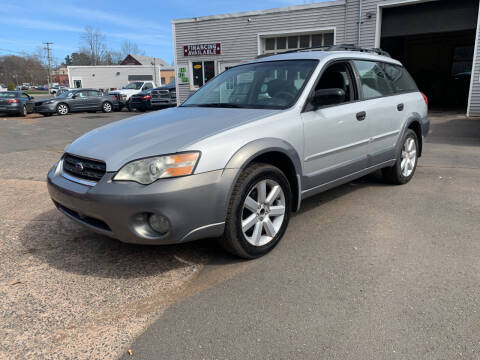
(10, 86)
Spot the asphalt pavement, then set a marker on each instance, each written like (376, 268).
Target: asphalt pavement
(365, 271)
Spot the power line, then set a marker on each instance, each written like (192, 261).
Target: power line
(49, 60)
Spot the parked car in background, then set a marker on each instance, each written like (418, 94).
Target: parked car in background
(158, 98)
(240, 154)
(3, 87)
(133, 88)
(77, 100)
(56, 89)
(16, 102)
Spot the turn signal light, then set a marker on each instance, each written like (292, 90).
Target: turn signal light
(11, 101)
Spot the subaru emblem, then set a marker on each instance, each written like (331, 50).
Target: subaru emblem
(79, 167)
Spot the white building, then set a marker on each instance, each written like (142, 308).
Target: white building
(109, 77)
(437, 41)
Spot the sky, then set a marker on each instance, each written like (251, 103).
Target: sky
(27, 24)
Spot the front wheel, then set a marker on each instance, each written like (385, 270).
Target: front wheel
(258, 213)
(24, 111)
(407, 158)
(107, 107)
(62, 109)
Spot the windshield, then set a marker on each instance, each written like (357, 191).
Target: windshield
(137, 85)
(65, 94)
(265, 85)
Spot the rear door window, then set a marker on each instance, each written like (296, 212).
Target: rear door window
(400, 78)
(374, 82)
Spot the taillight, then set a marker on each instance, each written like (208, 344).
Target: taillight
(425, 98)
(115, 98)
(12, 101)
(146, 97)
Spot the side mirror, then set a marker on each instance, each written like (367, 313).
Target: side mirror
(74, 96)
(324, 97)
(32, 97)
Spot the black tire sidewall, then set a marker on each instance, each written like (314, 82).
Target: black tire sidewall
(398, 166)
(262, 173)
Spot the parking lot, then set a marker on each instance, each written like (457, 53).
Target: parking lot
(365, 271)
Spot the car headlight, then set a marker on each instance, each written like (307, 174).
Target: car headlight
(146, 171)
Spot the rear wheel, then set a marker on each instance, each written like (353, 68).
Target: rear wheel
(107, 107)
(24, 111)
(62, 109)
(258, 213)
(406, 164)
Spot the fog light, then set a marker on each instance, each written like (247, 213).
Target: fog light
(159, 223)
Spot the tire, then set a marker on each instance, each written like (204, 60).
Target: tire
(62, 109)
(404, 168)
(257, 237)
(107, 107)
(24, 111)
(129, 108)
(47, 114)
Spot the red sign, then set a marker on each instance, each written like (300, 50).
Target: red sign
(202, 49)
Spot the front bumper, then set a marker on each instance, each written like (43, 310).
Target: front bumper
(195, 205)
(46, 108)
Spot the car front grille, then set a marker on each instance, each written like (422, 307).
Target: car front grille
(92, 170)
(161, 94)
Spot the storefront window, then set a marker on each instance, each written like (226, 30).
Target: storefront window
(274, 45)
(203, 71)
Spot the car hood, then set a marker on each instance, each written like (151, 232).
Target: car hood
(125, 91)
(157, 133)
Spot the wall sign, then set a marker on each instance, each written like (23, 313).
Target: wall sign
(202, 49)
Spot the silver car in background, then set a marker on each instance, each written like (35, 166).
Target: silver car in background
(242, 153)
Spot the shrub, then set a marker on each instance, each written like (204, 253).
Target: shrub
(10, 86)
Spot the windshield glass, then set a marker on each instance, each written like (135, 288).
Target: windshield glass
(65, 94)
(265, 85)
(9, 95)
(137, 85)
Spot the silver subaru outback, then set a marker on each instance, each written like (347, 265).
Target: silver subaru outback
(237, 157)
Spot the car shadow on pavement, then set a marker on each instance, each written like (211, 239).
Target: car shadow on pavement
(67, 246)
(373, 179)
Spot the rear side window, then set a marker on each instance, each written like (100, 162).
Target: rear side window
(400, 78)
(373, 80)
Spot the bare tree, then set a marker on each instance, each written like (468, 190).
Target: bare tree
(95, 46)
(129, 47)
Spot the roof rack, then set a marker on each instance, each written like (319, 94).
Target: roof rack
(339, 47)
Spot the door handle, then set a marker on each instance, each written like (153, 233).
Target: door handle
(400, 107)
(361, 115)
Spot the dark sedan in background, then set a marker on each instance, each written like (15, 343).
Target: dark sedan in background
(161, 97)
(16, 102)
(77, 100)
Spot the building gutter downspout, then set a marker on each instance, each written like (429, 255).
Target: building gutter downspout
(359, 21)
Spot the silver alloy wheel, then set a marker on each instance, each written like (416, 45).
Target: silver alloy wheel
(62, 109)
(409, 157)
(25, 112)
(107, 107)
(263, 212)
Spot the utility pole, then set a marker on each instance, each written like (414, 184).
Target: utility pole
(49, 61)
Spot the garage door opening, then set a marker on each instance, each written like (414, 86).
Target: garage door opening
(435, 41)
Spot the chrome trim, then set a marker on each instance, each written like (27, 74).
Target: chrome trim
(201, 228)
(75, 179)
(385, 135)
(338, 149)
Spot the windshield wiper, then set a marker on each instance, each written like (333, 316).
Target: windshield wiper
(219, 105)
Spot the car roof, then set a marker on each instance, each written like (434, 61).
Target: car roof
(326, 55)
